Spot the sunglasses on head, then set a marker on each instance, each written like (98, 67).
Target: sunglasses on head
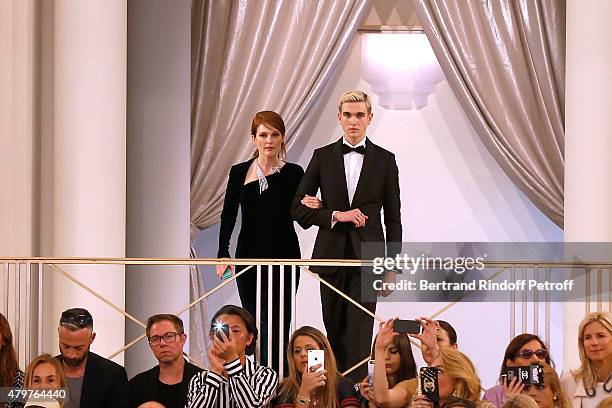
(541, 354)
(80, 319)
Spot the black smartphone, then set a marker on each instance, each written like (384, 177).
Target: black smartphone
(221, 327)
(406, 326)
(531, 374)
(429, 384)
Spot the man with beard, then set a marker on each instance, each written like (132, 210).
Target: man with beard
(168, 382)
(92, 380)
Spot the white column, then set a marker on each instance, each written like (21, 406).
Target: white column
(159, 85)
(89, 169)
(588, 143)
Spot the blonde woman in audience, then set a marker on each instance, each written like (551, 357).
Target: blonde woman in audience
(520, 401)
(456, 378)
(548, 394)
(45, 373)
(605, 403)
(313, 387)
(592, 382)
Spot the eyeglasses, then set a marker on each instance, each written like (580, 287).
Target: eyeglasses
(79, 319)
(541, 354)
(169, 337)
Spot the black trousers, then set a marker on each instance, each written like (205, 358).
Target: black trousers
(247, 286)
(349, 329)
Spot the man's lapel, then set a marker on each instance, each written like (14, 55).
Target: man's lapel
(339, 172)
(364, 175)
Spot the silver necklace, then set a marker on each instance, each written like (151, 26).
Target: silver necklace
(261, 176)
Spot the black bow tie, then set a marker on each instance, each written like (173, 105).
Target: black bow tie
(348, 149)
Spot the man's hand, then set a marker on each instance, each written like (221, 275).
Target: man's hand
(311, 202)
(355, 216)
(388, 277)
(216, 363)
(225, 349)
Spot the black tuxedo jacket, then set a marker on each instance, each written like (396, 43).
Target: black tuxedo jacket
(378, 188)
(105, 384)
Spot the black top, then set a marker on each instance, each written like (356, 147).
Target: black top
(267, 228)
(146, 387)
(105, 383)
(346, 396)
(18, 381)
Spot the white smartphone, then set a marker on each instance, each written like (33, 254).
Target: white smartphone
(371, 372)
(316, 357)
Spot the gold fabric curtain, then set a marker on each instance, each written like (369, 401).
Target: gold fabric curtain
(505, 62)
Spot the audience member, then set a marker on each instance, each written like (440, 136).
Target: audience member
(456, 377)
(93, 381)
(523, 350)
(232, 380)
(394, 370)
(592, 382)
(151, 404)
(167, 382)
(548, 394)
(321, 387)
(520, 401)
(435, 334)
(10, 374)
(45, 373)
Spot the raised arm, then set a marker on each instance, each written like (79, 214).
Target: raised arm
(204, 390)
(251, 393)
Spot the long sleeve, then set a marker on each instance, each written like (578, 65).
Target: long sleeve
(392, 210)
(307, 217)
(253, 392)
(231, 202)
(204, 390)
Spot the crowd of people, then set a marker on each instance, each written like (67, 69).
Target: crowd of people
(235, 380)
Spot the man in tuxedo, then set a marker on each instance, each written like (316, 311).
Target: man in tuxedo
(357, 179)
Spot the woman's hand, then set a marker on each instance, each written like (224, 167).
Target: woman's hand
(312, 202)
(512, 388)
(366, 390)
(312, 379)
(420, 401)
(220, 269)
(385, 335)
(429, 338)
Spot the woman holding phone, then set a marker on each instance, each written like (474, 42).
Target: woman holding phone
(548, 394)
(523, 350)
(320, 386)
(263, 189)
(394, 376)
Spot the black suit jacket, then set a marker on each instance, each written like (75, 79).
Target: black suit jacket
(105, 383)
(378, 188)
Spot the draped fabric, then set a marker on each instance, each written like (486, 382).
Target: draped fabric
(505, 62)
(249, 56)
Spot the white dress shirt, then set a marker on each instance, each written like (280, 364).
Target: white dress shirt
(353, 162)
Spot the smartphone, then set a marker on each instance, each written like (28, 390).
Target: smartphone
(532, 374)
(221, 327)
(227, 273)
(429, 384)
(371, 372)
(406, 326)
(316, 357)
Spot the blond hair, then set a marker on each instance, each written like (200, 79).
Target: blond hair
(290, 385)
(355, 96)
(551, 378)
(42, 359)
(586, 372)
(520, 401)
(460, 368)
(605, 403)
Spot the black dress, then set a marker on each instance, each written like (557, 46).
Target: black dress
(267, 232)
